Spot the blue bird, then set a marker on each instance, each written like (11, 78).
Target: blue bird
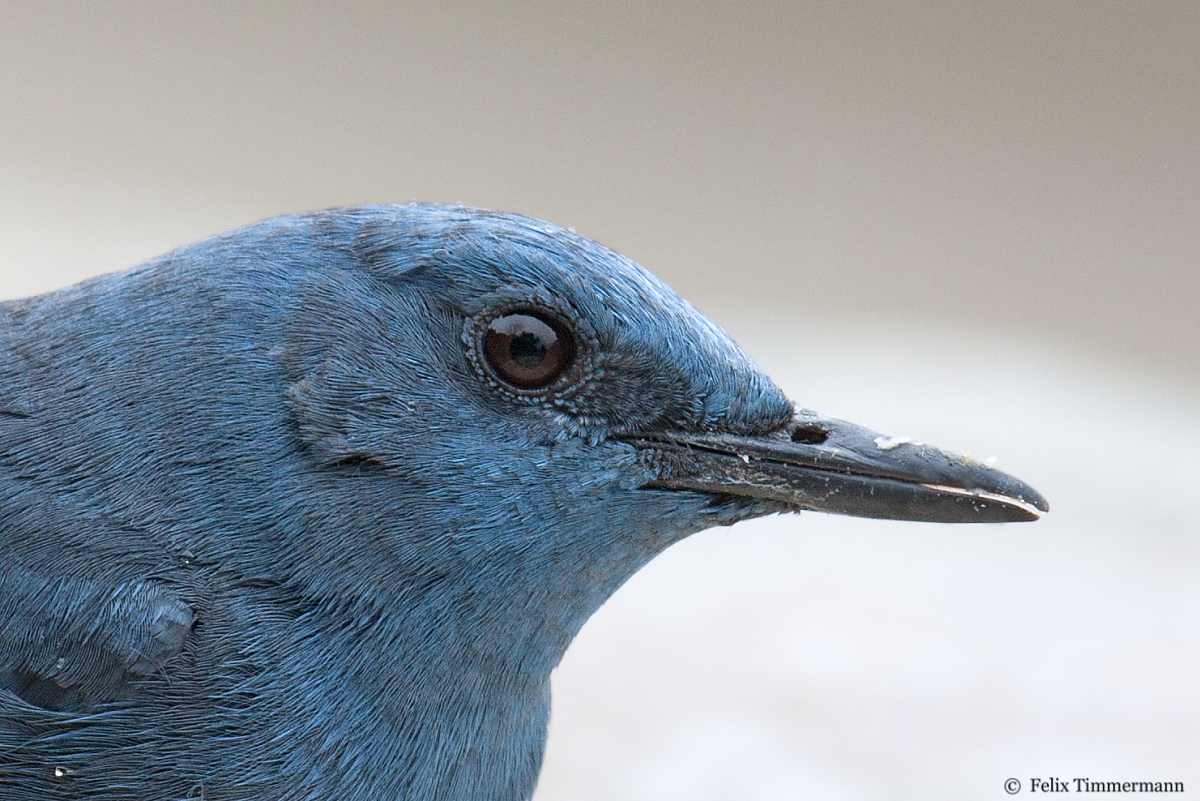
(311, 509)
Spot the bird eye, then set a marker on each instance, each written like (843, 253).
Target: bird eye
(528, 349)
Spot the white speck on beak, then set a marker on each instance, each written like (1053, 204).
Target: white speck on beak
(887, 443)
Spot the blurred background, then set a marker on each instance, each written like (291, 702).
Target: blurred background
(974, 223)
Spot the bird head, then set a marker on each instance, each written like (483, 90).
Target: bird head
(549, 411)
(389, 459)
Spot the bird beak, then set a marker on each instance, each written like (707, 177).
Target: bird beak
(829, 465)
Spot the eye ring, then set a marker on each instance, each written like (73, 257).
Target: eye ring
(527, 349)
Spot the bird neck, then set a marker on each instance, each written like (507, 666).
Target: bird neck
(449, 686)
(450, 692)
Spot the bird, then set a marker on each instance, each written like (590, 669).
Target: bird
(311, 509)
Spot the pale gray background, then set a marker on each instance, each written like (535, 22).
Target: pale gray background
(976, 223)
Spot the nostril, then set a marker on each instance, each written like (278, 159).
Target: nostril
(809, 435)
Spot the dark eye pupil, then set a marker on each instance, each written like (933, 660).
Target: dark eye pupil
(528, 350)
